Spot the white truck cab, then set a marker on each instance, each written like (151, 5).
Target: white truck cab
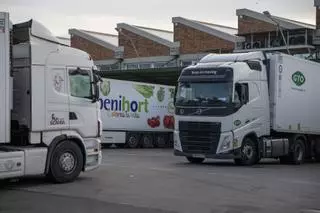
(50, 119)
(233, 106)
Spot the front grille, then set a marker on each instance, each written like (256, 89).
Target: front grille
(199, 137)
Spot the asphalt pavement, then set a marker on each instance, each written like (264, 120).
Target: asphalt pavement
(153, 180)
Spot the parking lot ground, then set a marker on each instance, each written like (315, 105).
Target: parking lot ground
(153, 180)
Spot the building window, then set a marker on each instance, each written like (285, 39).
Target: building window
(144, 66)
(132, 66)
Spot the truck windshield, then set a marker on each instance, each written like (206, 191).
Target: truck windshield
(80, 83)
(204, 94)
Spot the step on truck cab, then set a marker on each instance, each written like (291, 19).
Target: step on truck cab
(248, 106)
(49, 115)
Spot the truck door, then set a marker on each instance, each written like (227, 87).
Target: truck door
(81, 109)
(57, 97)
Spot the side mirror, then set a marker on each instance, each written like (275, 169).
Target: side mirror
(96, 94)
(175, 96)
(244, 94)
(95, 84)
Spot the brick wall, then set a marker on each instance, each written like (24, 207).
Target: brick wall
(145, 47)
(96, 51)
(248, 25)
(195, 41)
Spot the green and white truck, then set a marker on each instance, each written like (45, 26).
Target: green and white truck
(248, 106)
(136, 114)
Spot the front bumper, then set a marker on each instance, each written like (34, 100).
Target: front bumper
(225, 148)
(229, 155)
(93, 154)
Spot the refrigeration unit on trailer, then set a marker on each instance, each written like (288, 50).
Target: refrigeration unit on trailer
(136, 114)
(49, 114)
(248, 106)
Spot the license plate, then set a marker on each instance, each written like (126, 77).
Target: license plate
(198, 156)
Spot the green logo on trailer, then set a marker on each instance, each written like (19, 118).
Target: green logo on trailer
(298, 78)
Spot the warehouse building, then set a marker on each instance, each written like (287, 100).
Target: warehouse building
(140, 48)
(144, 48)
(271, 33)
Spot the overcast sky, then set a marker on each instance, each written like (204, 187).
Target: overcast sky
(103, 15)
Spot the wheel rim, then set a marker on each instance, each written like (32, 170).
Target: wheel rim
(160, 141)
(67, 162)
(247, 152)
(299, 152)
(132, 141)
(147, 141)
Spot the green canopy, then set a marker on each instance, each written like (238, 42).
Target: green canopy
(166, 76)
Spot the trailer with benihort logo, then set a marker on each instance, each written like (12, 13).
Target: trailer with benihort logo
(136, 114)
(248, 106)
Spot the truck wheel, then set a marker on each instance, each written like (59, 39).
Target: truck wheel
(133, 141)
(249, 154)
(161, 140)
(66, 162)
(317, 151)
(298, 152)
(318, 157)
(170, 141)
(147, 141)
(195, 160)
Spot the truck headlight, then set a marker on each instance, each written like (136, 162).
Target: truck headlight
(92, 146)
(226, 143)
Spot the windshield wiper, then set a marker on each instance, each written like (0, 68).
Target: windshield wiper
(216, 100)
(187, 102)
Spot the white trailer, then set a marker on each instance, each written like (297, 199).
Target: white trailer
(49, 117)
(249, 106)
(136, 114)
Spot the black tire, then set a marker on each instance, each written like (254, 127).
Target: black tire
(298, 152)
(249, 153)
(161, 140)
(61, 171)
(195, 160)
(133, 141)
(317, 151)
(170, 141)
(147, 141)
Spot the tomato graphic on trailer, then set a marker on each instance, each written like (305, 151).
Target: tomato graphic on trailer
(154, 122)
(168, 122)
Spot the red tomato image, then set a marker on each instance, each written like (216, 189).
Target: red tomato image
(168, 121)
(154, 122)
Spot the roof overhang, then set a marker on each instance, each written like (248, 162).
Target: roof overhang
(166, 76)
(174, 46)
(211, 31)
(284, 23)
(95, 40)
